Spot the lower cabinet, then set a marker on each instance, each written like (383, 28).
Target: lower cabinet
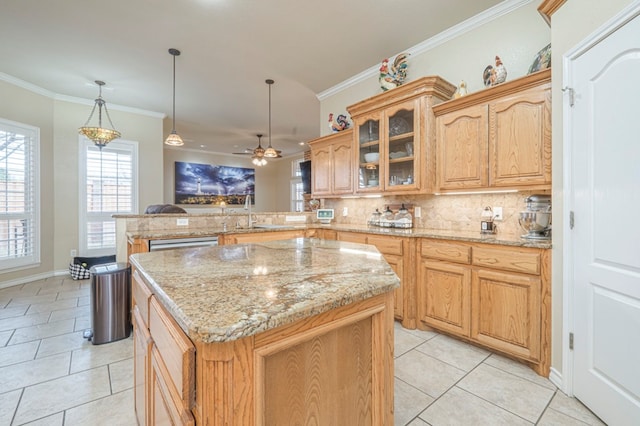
(496, 296)
(259, 237)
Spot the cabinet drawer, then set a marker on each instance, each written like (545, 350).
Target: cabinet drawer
(141, 295)
(512, 259)
(386, 245)
(352, 237)
(452, 252)
(176, 350)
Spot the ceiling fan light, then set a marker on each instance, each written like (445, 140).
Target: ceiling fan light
(270, 153)
(174, 139)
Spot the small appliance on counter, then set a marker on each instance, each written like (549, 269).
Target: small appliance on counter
(325, 216)
(536, 220)
(487, 225)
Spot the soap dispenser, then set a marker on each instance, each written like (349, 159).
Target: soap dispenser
(403, 218)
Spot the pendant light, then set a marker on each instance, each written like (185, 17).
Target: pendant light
(270, 152)
(174, 138)
(259, 154)
(99, 135)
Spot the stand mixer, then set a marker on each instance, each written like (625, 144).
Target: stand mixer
(536, 220)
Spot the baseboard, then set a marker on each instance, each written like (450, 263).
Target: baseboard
(556, 378)
(27, 279)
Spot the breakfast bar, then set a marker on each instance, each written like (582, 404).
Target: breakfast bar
(281, 332)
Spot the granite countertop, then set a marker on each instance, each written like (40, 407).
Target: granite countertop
(224, 293)
(448, 234)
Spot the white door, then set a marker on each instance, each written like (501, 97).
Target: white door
(605, 190)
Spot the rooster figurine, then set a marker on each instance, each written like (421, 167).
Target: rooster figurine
(339, 124)
(499, 72)
(394, 77)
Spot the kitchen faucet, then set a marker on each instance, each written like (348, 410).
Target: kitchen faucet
(247, 206)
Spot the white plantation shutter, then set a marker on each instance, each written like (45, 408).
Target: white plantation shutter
(19, 195)
(110, 187)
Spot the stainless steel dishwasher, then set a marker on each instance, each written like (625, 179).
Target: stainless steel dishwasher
(174, 243)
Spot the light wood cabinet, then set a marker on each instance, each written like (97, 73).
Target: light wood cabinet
(332, 164)
(497, 138)
(496, 296)
(398, 125)
(259, 237)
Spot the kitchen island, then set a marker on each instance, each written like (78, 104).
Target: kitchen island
(282, 332)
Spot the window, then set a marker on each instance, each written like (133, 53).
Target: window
(19, 195)
(108, 186)
(297, 190)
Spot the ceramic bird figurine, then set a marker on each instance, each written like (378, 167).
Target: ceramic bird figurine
(394, 75)
(339, 124)
(462, 90)
(499, 72)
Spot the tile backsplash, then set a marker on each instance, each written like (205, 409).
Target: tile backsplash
(458, 212)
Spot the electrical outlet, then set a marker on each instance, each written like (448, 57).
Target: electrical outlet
(182, 222)
(345, 211)
(417, 211)
(73, 253)
(497, 213)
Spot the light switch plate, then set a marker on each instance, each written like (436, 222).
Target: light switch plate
(182, 222)
(417, 211)
(345, 211)
(295, 218)
(497, 213)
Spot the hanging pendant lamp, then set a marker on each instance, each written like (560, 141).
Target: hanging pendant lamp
(99, 135)
(174, 138)
(271, 152)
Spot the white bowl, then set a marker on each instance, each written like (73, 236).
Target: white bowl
(371, 157)
(373, 182)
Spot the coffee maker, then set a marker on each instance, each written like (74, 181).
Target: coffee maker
(536, 219)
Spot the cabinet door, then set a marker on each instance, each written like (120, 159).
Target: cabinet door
(461, 145)
(342, 156)
(403, 147)
(164, 409)
(141, 348)
(520, 140)
(352, 237)
(506, 312)
(259, 237)
(397, 264)
(444, 295)
(321, 170)
(369, 153)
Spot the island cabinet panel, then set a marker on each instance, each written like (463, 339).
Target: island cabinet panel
(141, 365)
(506, 311)
(141, 297)
(259, 237)
(165, 406)
(492, 295)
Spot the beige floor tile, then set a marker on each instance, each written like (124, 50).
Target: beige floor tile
(459, 354)
(408, 402)
(63, 343)
(23, 321)
(59, 287)
(424, 335)
(121, 375)
(53, 420)
(13, 312)
(18, 290)
(428, 374)
(82, 323)
(513, 393)
(17, 376)
(14, 354)
(574, 408)
(50, 397)
(458, 407)
(519, 369)
(73, 312)
(91, 356)
(404, 342)
(29, 300)
(49, 307)
(418, 422)
(116, 409)
(554, 418)
(5, 336)
(8, 404)
(41, 331)
(73, 294)
(84, 301)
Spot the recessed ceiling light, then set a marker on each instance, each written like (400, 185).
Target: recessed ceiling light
(302, 143)
(202, 146)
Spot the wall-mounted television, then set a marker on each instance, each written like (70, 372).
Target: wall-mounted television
(305, 171)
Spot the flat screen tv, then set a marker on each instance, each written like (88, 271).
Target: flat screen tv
(305, 171)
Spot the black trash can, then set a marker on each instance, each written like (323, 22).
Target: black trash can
(110, 302)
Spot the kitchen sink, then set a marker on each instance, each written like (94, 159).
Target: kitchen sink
(269, 226)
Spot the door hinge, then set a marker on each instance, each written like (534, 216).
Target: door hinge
(572, 98)
(571, 220)
(571, 341)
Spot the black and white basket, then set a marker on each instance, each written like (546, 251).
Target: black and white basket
(80, 266)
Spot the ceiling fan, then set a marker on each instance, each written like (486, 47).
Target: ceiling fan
(252, 151)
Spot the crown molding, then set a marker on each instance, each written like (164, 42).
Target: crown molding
(470, 24)
(72, 99)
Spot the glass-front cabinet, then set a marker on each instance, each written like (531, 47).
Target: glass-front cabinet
(392, 130)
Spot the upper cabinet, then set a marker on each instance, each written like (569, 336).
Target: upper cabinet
(392, 131)
(497, 138)
(332, 164)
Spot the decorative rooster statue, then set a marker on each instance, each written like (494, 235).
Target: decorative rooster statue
(493, 76)
(394, 77)
(339, 124)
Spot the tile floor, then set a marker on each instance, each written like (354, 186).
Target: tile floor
(50, 375)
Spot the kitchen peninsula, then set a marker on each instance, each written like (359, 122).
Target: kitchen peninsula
(262, 333)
